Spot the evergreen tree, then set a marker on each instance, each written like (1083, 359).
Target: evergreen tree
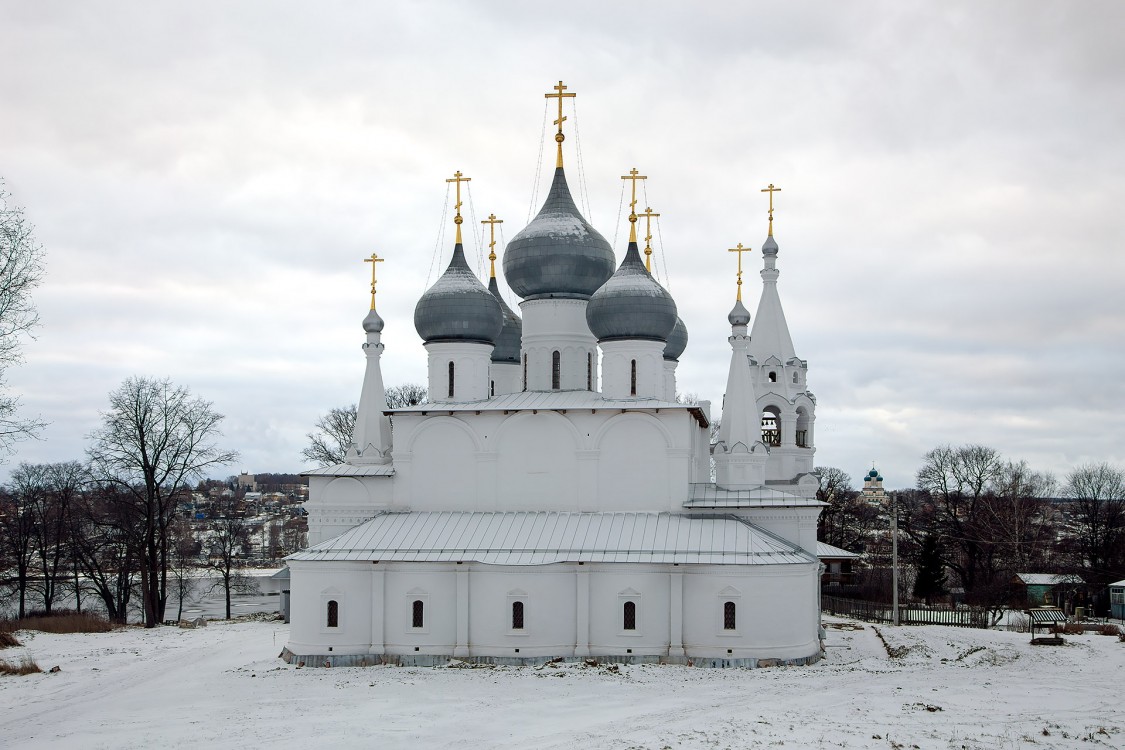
(930, 579)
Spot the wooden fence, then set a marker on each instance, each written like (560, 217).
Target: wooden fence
(965, 617)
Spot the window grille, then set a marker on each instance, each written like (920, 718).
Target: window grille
(556, 370)
(629, 616)
(333, 614)
(633, 378)
(589, 371)
(525, 372)
(450, 380)
(729, 621)
(517, 615)
(418, 615)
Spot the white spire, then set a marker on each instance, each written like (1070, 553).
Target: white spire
(371, 440)
(770, 334)
(740, 455)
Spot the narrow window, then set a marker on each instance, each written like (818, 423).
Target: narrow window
(773, 377)
(517, 615)
(629, 616)
(729, 622)
(418, 615)
(451, 380)
(796, 378)
(556, 370)
(589, 371)
(525, 372)
(492, 388)
(633, 378)
(333, 614)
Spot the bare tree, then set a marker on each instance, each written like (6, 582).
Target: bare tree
(185, 550)
(1097, 518)
(21, 270)
(847, 520)
(104, 548)
(225, 548)
(332, 437)
(17, 552)
(49, 491)
(155, 438)
(330, 440)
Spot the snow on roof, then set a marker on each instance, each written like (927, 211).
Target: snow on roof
(1047, 579)
(548, 400)
(827, 550)
(541, 538)
(1119, 583)
(713, 496)
(352, 470)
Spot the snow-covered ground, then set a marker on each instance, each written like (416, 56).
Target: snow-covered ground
(222, 686)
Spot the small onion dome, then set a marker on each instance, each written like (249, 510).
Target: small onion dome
(372, 323)
(770, 246)
(739, 315)
(878, 479)
(458, 307)
(872, 474)
(558, 254)
(508, 343)
(677, 341)
(631, 305)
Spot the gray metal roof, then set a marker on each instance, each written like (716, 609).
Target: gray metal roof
(677, 341)
(542, 538)
(1047, 579)
(552, 400)
(352, 470)
(713, 496)
(631, 305)
(458, 307)
(827, 550)
(511, 335)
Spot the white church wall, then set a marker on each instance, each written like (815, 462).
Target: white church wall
(435, 586)
(537, 462)
(470, 362)
(775, 612)
(312, 587)
(551, 325)
(648, 588)
(634, 463)
(548, 597)
(442, 465)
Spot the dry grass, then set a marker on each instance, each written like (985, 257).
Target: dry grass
(1109, 629)
(26, 665)
(7, 640)
(62, 622)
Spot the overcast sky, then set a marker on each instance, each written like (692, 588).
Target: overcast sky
(206, 178)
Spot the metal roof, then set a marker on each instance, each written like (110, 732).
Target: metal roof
(352, 470)
(713, 496)
(827, 550)
(550, 401)
(542, 538)
(1047, 579)
(1046, 615)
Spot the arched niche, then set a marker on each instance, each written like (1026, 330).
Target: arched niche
(536, 462)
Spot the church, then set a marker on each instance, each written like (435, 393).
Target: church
(553, 498)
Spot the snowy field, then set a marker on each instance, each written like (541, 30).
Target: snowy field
(222, 686)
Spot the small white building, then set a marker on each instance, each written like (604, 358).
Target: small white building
(553, 499)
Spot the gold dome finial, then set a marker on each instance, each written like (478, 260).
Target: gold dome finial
(634, 176)
(559, 137)
(740, 250)
(373, 260)
(771, 190)
(458, 179)
(649, 216)
(492, 221)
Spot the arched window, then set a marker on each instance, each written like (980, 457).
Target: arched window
(633, 378)
(589, 371)
(418, 618)
(773, 377)
(556, 370)
(451, 380)
(333, 614)
(525, 372)
(729, 621)
(629, 616)
(517, 615)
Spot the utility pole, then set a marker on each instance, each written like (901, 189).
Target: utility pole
(894, 554)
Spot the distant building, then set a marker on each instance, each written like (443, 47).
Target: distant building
(1048, 589)
(247, 483)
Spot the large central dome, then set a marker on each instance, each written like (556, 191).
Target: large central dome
(558, 254)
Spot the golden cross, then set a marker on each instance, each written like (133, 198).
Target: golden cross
(634, 176)
(373, 260)
(458, 179)
(740, 250)
(492, 221)
(649, 215)
(559, 137)
(771, 190)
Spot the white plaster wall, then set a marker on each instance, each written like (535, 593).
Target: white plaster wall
(536, 462)
(670, 379)
(311, 586)
(610, 588)
(549, 610)
(776, 609)
(436, 587)
(443, 466)
(617, 370)
(505, 378)
(470, 371)
(551, 325)
(633, 463)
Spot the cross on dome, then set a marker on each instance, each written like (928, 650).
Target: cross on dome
(740, 250)
(492, 221)
(633, 175)
(373, 260)
(649, 216)
(457, 178)
(559, 137)
(771, 190)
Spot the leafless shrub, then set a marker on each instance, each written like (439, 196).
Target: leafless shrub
(26, 665)
(7, 640)
(71, 622)
(1109, 629)
(1019, 623)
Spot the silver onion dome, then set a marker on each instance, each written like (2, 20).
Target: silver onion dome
(631, 305)
(458, 307)
(558, 254)
(511, 335)
(372, 323)
(739, 315)
(677, 341)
